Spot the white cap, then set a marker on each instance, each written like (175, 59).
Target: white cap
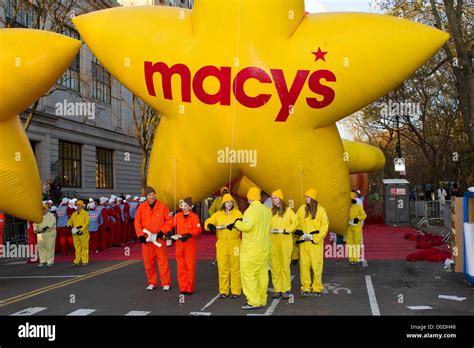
(50, 201)
(112, 200)
(44, 202)
(358, 191)
(119, 199)
(65, 200)
(92, 205)
(53, 208)
(103, 200)
(128, 197)
(74, 200)
(142, 199)
(136, 198)
(91, 199)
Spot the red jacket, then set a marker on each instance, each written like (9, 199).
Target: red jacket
(155, 220)
(118, 213)
(105, 216)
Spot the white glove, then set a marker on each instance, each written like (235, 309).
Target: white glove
(151, 237)
(176, 236)
(74, 230)
(307, 236)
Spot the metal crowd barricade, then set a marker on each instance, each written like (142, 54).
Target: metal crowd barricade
(15, 233)
(429, 215)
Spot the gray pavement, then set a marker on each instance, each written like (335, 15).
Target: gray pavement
(118, 288)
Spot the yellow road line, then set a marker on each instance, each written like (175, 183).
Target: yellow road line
(40, 291)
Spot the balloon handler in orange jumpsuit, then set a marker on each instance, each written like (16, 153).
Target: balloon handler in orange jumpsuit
(152, 221)
(188, 227)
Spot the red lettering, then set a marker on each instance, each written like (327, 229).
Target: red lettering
(223, 75)
(288, 98)
(325, 91)
(166, 74)
(238, 87)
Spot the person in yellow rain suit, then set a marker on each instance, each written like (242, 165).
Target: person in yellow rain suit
(354, 230)
(46, 236)
(227, 247)
(313, 226)
(284, 223)
(79, 222)
(217, 204)
(255, 250)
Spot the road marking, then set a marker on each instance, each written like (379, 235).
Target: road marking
(206, 314)
(364, 263)
(256, 315)
(210, 302)
(82, 312)
(454, 298)
(15, 263)
(40, 277)
(36, 292)
(138, 313)
(275, 303)
(419, 308)
(372, 299)
(29, 311)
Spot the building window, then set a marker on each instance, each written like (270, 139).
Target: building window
(102, 82)
(70, 164)
(19, 14)
(71, 77)
(104, 169)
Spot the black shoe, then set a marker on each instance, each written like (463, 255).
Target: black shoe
(286, 295)
(223, 296)
(316, 294)
(276, 295)
(234, 296)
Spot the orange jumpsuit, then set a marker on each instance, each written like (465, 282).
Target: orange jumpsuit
(186, 251)
(154, 221)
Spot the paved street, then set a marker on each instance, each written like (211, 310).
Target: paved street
(385, 287)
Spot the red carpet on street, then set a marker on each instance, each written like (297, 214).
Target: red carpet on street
(381, 242)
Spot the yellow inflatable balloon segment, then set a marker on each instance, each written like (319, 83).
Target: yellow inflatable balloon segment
(31, 61)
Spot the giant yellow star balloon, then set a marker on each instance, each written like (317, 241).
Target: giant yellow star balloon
(262, 78)
(31, 61)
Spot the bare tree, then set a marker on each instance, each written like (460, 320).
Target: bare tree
(50, 15)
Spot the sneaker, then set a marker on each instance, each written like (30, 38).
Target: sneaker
(286, 295)
(223, 296)
(305, 293)
(75, 264)
(317, 294)
(247, 306)
(50, 264)
(276, 295)
(40, 265)
(234, 296)
(150, 287)
(166, 288)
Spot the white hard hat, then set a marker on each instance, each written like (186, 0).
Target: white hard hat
(136, 198)
(112, 200)
(103, 200)
(128, 197)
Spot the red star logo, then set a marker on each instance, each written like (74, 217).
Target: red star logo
(319, 55)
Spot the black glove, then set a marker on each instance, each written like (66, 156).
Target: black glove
(169, 234)
(230, 226)
(44, 229)
(356, 220)
(79, 227)
(299, 232)
(314, 232)
(185, 237)
(79, 233)
(211, 227)
(39, 231)
(142, 239)
(160, 235)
